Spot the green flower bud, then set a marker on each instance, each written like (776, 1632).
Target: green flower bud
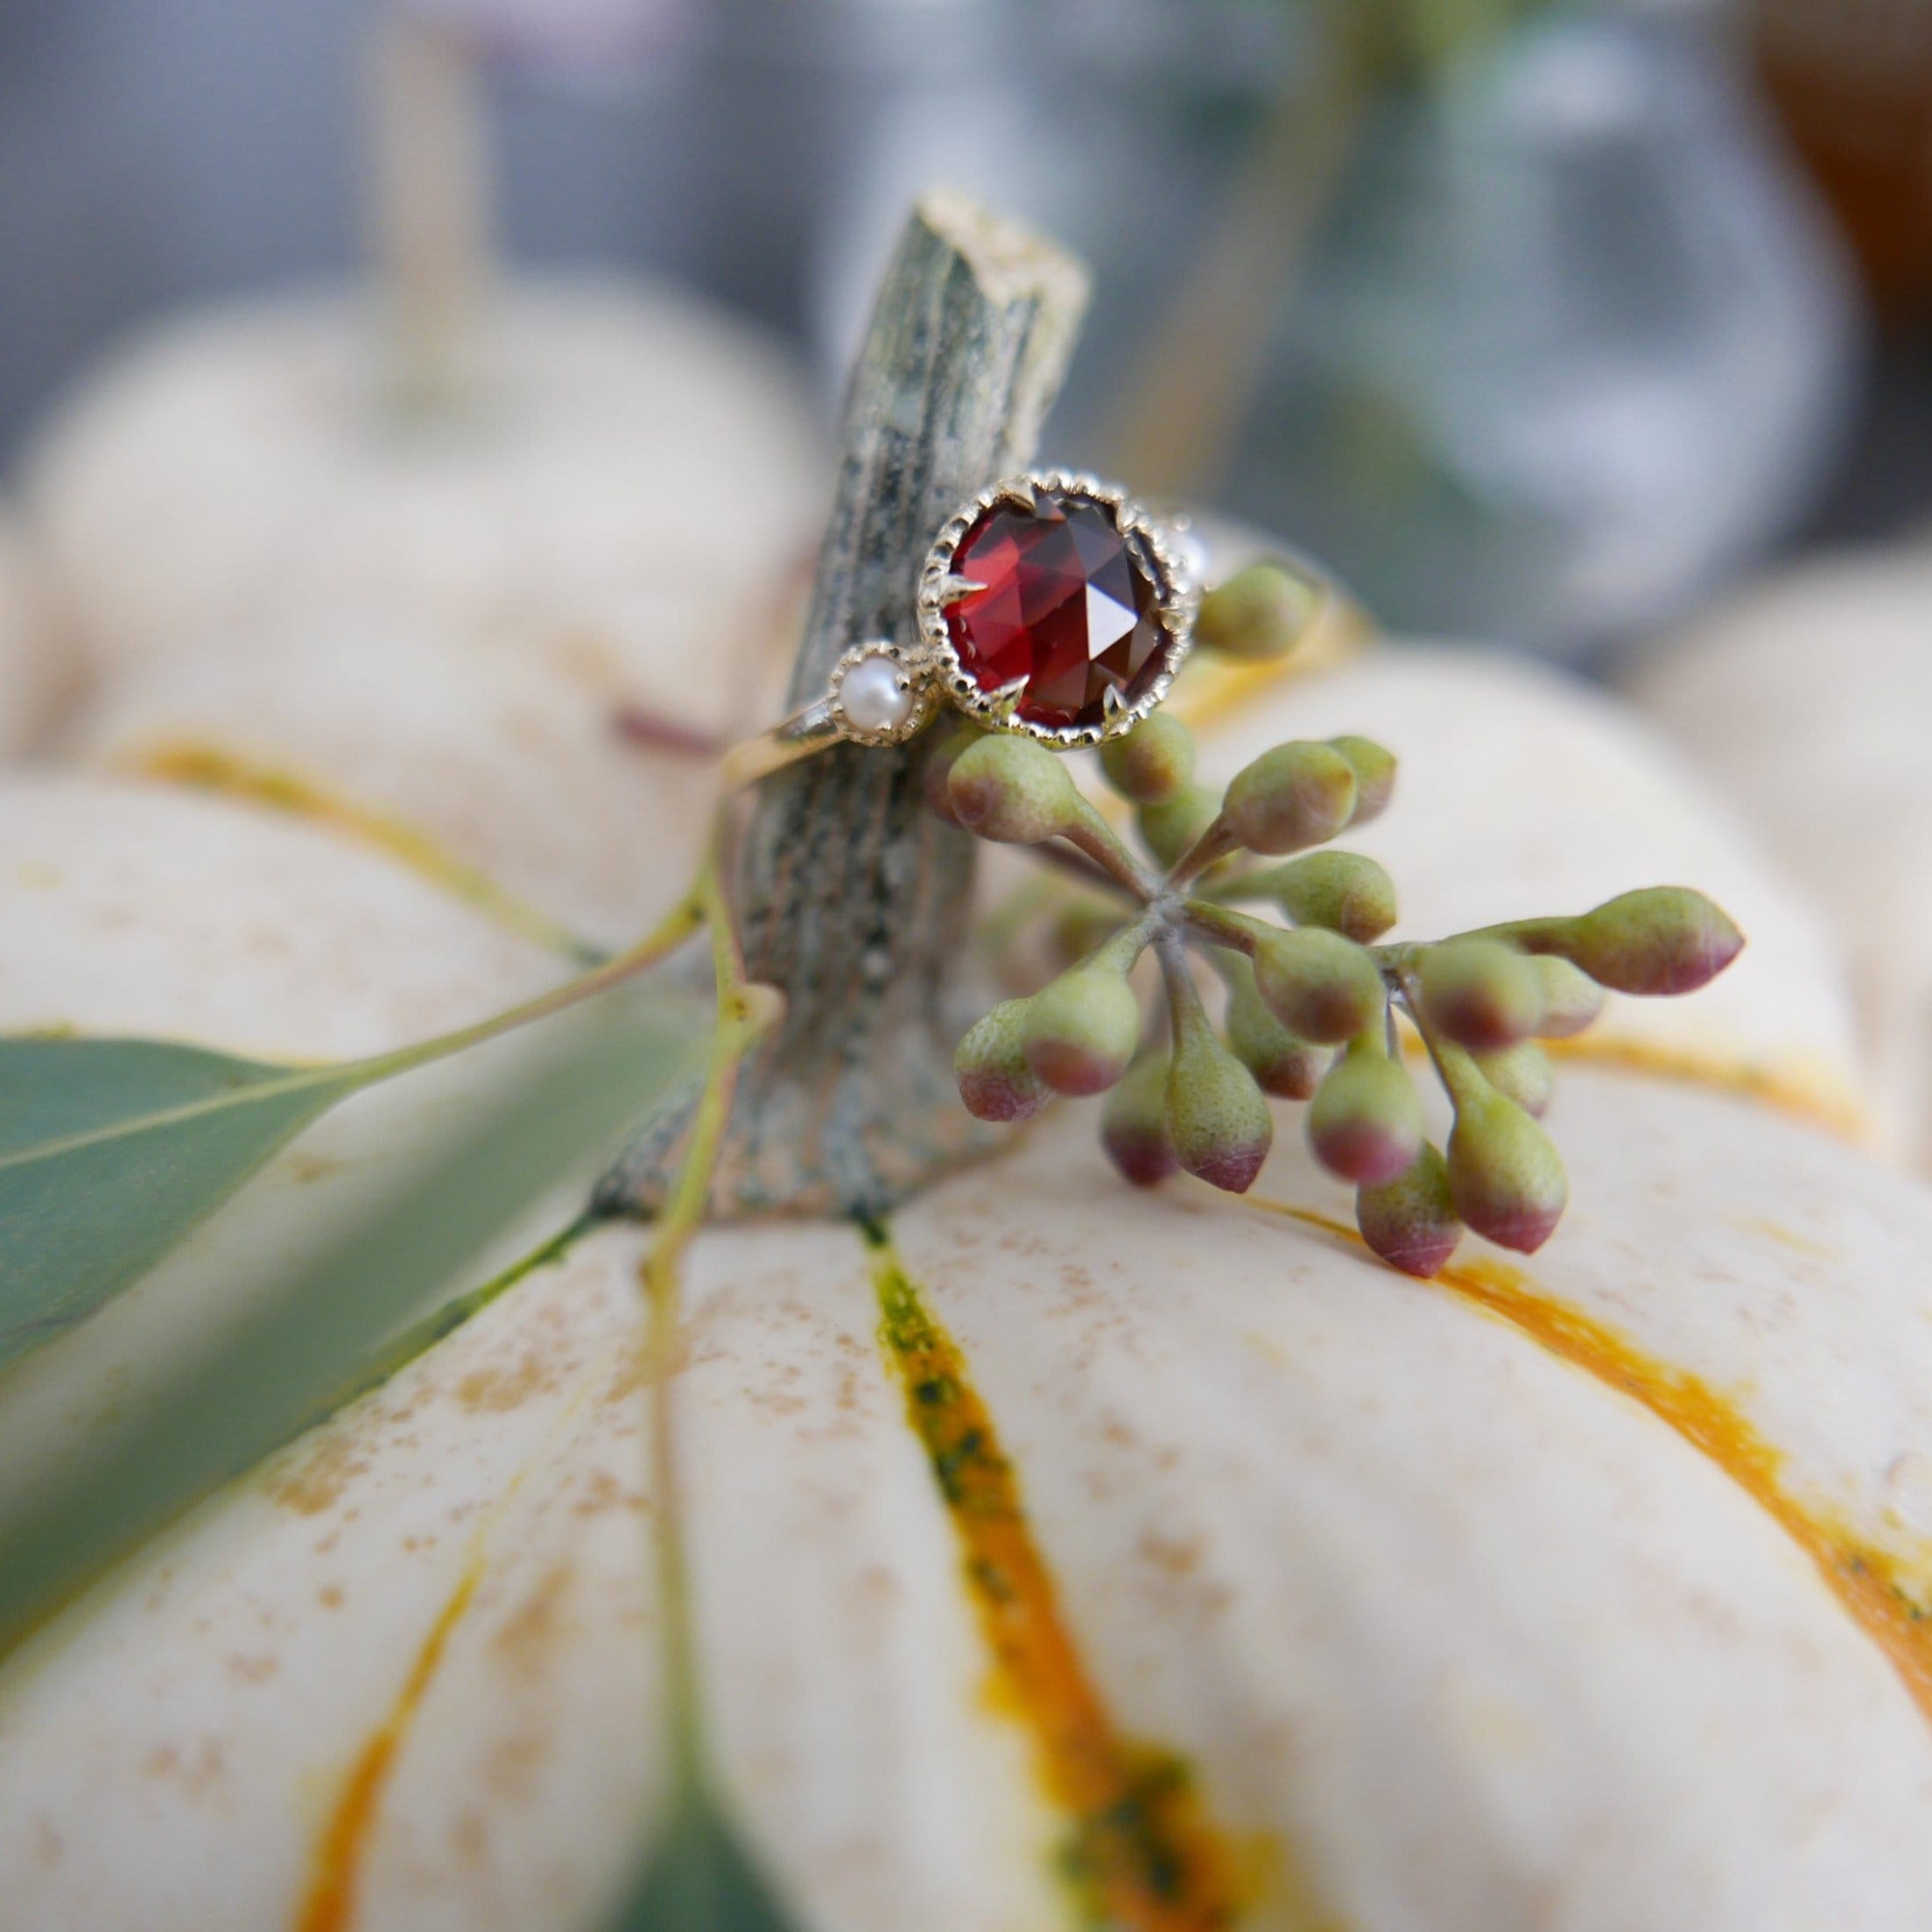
(1295, 796)
(1153, 763)
(1133, 1126)
(1366, 1122)
(990, 1064)
(1217, 1118)
(1571, 999)
(935, 769)
(1522, 1072)
(1172, 827)
(1259, 613)
(1010, 789)
(1374, 768)
(1081, 1032)
(1318, 984)
(1664, 940)
(1480, 993)
(1342, 891)
(1504, 1175)
(1282, 1064)
(1411, 1221)
(1082, 924)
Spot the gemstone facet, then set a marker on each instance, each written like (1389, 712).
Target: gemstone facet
(1065, 607)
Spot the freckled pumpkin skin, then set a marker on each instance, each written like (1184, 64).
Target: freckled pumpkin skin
(1806, 696)
(1576, 1597)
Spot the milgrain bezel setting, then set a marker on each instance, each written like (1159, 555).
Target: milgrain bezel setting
(914, 678)
(1176, 598)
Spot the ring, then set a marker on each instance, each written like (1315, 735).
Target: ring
(1051, 605)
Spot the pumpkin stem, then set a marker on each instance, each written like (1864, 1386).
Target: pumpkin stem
(854, 896)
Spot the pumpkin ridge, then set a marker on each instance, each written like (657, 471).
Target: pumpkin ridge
(1140, 1852)
(1868, 1581)
(199, 766)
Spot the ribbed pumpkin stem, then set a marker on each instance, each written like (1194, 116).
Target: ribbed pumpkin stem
(854, 895)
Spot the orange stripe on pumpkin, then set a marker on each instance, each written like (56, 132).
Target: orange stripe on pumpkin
(1869, 1582)
(1141, 1852)
(212, 768)
(330, 1905)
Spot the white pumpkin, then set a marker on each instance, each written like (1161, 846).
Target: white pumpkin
(1807, 699)
(236, 468)
(30, 677)
(1575, 1598)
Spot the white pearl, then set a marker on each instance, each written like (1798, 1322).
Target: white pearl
(871, 696)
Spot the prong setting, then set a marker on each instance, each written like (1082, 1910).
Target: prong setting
(1154, 555)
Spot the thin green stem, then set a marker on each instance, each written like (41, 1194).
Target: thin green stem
(744, 1012)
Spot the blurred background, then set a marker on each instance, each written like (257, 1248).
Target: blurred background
(388, 382)
(1540, 321)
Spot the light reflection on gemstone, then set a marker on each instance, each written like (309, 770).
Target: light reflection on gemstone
(1068, 611)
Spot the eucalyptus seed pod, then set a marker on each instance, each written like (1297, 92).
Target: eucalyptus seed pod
(935, 769)
(1342, 891)
(1411, 1221)
(1012, 791)
(1664, 940)
(1081, 1032)
(990, 1065)
(1374, 768)
(1505, 1176)
(1297, 795)
(1480, 993)
(1217, 1117)
(1283, 1063)
(1520, 1072)
(1259, 613)
(1153, 763)
(1571, 999)
(1366, 1122)
(1318, 985)
(1173, 825)
(1133, 1126)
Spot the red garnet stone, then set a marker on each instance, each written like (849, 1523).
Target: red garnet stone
(1067, 604)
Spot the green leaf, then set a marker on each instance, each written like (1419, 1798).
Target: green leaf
(110, 1150)
(326, 1323)
(700, 1878)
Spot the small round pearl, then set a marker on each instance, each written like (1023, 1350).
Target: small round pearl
(871, 697)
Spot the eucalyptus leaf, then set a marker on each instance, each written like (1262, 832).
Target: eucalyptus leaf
(325, 1325)
(110, 1150)
(700, 1878)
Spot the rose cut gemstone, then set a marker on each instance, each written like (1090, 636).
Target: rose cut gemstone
(1066, 606)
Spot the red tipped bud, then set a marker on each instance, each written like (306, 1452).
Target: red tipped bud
(1366, 1122)
(1480, 994)
(990, 1064)
(1342, 891)
(1081, 1032)
(1318, 985)
(1259, 613)
(1571, 999)
(1295, 796)
(1664, 940)
(1133, 1126)
(1153, 763)
(1374, 768)
(1504, 1175)
(1283, 1063)
(1411, 1221)
(1217, 1118)
(1172, 827)
(1010, 789)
